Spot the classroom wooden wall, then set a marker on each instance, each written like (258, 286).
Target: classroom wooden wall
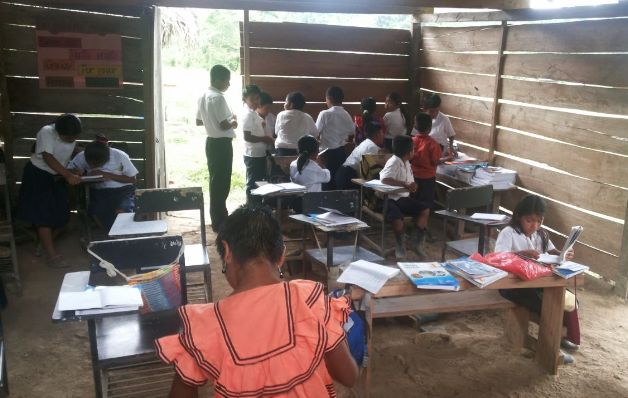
(561, 119)
(285, 57)
(117, 113)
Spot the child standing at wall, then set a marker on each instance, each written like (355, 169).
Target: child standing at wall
(43, 198)
(335, 127)
(265, 112)
(292, 124)
(255, 139)
(398, 172)
(370, 146)
(396, 120)
(307, 170)
(368, 107)
(117, 193)
(442, 130)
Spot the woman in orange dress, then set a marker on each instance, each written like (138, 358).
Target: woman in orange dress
(269, 337)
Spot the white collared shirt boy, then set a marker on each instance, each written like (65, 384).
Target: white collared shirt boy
(400, 170)
(213, 109)
(366, 147)
(334, 126)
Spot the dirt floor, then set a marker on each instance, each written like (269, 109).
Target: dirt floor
(462, 355)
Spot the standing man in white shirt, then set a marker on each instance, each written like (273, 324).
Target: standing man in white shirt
(214, 113)
(442, 130)
(335, 127)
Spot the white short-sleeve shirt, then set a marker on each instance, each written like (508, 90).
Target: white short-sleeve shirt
(509, 240)
(395, 123)
(366, 147)
(397, 169)
(119, 164)
(213, 109)
(334, 126)
(269, 124)
(442, 129)
(312, 175)
(49, 141)
(291, 125)
(254, 123)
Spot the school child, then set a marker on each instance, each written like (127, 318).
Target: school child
(368, 107)
(292, 124)
(255, 139)
(398, 172)
(370, 146)
(306, 169)
(264, 110)
(43, 197)
(335, 127)
(117, 193)
(396, 120)
(219, 121)
(525, 236)
(442, 130)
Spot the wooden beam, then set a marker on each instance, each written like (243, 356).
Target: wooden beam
(498, 92)
(415, 64)
(5, 117)
(621, 284)
(147, 22)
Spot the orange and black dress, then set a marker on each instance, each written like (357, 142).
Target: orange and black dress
(270, 341)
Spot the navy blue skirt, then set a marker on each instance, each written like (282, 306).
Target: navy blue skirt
(43, 198)
(105, 203)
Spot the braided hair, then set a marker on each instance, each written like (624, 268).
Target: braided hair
(308, 146)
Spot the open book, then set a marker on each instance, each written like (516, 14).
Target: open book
(333, 218)
(109, 297)
(286, 187)
(94, 178)
(367, 275)
(378, 185)
(575, 233)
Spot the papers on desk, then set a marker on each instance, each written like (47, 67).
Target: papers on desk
(498, 177)
(367, 275)
(334, 219)
(103, 297)
(125, 225)
(546, 258)
(569, 269)
(489, 216)
(378, 185)
(287, 187)
(429, 276)
(481, 275)
(95, 178)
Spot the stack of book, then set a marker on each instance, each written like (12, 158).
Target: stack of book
(481, 275)
(429, 276)
(569, 269)
(287, 187)
(498, 177)
(334, 218)
(380, 186)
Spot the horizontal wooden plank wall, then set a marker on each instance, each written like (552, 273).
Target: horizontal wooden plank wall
(561, 122)
(116, 113)
(285, 57)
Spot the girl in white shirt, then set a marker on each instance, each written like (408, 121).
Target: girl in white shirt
(396, 120)
(306, 169)
(292, 124)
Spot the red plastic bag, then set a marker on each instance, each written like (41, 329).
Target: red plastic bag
(524, 269)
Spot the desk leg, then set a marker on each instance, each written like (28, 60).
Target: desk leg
(550, 328)
(330, 250)
(279, 209)
(91, 329)
(482, 240)
(369, 348)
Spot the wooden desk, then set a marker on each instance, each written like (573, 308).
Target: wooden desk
(485, 226)
(125, 226)
(451, 182)
(400, 297)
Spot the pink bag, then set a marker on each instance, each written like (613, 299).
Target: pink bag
(524, 269)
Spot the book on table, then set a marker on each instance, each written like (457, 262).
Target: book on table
(333, 218)
(479, 274)
(574, 234)
(286, 187)
(569, 269)
(102, 297)
(489, 216)
(367, 275)
(379, 185)
(430, 275)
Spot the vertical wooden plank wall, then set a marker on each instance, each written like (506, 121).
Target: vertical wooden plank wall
(117, 113)
(287, 57)
(561, 121)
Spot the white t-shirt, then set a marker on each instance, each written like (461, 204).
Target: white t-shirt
(366, 147)
(291, 125)
(395, 123)
(397, 169)
(213, 109)
(442, 129)
(118, 164)
(255, 124)
(312, 175)
(510, 240)
(269, 124)
(334, 126)
(49, 141)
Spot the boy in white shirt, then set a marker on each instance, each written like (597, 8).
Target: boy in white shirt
(292, 124)
(442, 130)
(370, 146)
(398, 172)
(335, 127)
(214, 113)
(264, 110)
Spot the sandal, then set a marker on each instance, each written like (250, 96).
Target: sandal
(57, 262)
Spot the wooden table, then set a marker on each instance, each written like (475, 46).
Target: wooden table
(125, 226)
(399, 297)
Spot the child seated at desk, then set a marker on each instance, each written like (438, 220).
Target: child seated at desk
(292, 123)
(116, 194)
(307, 170)
(396, 120)
(370, 146)
(398, 172)
(269, 337)
(524, 236)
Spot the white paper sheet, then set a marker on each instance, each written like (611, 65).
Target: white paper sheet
(367, 275)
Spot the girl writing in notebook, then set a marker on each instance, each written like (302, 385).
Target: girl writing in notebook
(524, 236)
(306, 169)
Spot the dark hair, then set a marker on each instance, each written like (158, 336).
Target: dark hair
(368, 106)
(530, 204)
(307, 146)
(97, 153)
(431, 101)
(297, 99)
(68, 125)
(249, 90)
(423, 123)
(372, 128)
(396, 99)
(219, 73)
(251, 232)
(335, 94)
(402, 145)
(265, 99)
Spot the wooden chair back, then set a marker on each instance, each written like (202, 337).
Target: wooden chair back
(346, 201)
(470, 197)
(284, 162)
(372, 164)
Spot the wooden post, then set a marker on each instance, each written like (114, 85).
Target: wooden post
(246, 59)
(497, 93)
(5, 115)
(621, 284)
(415, 63)
(148, 62)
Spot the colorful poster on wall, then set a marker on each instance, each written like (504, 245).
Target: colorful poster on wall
(79, 60)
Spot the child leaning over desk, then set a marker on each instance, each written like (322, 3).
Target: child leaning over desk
(116, 194)
(524, 236)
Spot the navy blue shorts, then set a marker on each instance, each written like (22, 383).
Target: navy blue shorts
(104, 203)
(43, 199)
(403, 207)
(426, 189)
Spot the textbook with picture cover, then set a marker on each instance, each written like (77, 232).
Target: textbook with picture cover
(429, 276)
(481, 275)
